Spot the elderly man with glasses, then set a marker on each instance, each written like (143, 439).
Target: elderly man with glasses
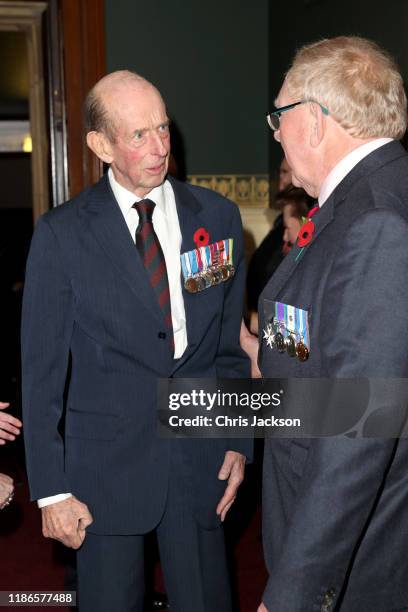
(335, 508)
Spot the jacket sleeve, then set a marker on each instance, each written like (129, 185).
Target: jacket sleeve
(47, 323)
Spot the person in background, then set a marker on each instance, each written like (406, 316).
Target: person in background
(295, 204)
(9, 425)
(9, 429)
(6, 490)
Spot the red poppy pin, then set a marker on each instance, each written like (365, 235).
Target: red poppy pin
(201, 237)
(306, 232)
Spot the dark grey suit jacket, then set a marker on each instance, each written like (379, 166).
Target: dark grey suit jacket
(336, 509)
(88, 298)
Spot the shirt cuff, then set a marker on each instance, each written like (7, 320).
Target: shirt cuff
(46, 501)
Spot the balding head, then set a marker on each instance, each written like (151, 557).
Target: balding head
(128, 129)
(99, 103)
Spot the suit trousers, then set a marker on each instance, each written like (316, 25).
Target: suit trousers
(111, 567)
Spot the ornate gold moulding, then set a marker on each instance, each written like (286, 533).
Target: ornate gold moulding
(243, 189)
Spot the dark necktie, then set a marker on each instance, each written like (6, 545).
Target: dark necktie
(150, 251)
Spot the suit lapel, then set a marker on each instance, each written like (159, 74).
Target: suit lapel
(188, 211)
(321, 219)
(325, 215)
(103, 218)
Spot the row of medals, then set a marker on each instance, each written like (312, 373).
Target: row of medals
(208, 278)
(288, 343)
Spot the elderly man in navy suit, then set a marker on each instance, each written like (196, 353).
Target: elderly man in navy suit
(335, 508)
(106, 313)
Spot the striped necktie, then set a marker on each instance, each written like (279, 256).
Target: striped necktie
(148, 245)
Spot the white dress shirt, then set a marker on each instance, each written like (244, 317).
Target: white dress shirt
(167, 227)
(345, 166)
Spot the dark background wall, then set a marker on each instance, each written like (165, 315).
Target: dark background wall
(210, 61)
(220, 63)
(384, 21)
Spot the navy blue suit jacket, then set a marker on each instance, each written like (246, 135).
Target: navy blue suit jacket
(335, 509)
(92, 324)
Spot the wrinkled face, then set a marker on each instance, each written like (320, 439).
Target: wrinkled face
(294, 137)
(140, 153)
(291, 224)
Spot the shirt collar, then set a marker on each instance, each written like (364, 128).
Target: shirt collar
(126, 198)
(340, 170)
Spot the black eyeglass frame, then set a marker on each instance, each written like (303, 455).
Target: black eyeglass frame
(273, 118)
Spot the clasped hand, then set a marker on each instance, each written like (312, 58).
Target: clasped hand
(66, 521)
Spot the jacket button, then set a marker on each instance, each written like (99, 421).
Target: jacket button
(162, 335)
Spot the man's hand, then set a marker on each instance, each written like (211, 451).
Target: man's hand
(66, 521)
(262, 608)
(249, 344)
(6, 490)
(232, 469)
(9, 425)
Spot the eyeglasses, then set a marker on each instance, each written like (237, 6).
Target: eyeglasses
(273, 118)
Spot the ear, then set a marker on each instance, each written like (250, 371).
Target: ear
(318, 125)
(100, 145)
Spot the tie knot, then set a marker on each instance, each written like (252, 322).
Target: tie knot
(145, 209)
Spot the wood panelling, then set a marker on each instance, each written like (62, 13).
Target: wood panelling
(84, 63)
